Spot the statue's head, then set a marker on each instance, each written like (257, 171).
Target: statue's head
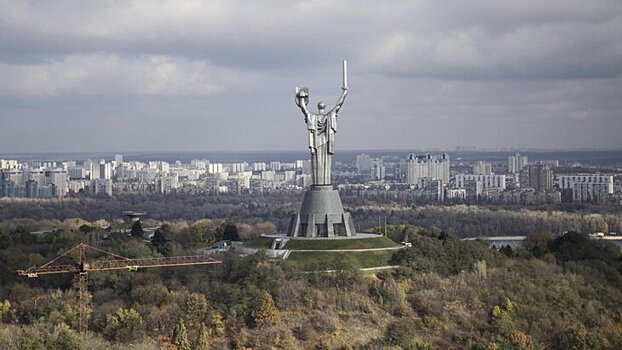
(321, 105)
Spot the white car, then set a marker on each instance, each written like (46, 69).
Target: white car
(406, 244)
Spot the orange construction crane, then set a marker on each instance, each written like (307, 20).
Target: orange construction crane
(82, 267)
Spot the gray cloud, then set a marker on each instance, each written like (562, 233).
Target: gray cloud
(219, 75)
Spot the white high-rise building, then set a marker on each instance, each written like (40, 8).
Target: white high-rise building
(259, 166)
(364, 164)
(516, 163)
(199, 163)
(59, 178)
(427, 166)
(214, 168)
(10, 164)
(105, 170)
(118, 158)
(378, 170)
(166, 183)
(488, 181)
(482, 168)
(587, 187)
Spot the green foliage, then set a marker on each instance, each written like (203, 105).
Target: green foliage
(203, 339)
(197, 309)
(444, 257)
(538, 243)
(502, 316)
(217, 323)
(575, 246)
(180, 336)
(161, 240)
(34, 339)
(67, 340)
(5, 308)
(124, 325)
(400, 333)
(137, 229)
(229, 231)
(442, 297)
(574, 337)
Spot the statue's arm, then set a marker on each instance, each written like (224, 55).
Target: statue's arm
(340, 101)
(303, 108)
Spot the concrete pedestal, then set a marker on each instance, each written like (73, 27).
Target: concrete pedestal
(321, 215)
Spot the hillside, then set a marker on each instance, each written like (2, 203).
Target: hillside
(560, 292)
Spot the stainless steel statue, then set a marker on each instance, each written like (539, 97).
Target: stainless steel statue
(322, 128)
(321, 213)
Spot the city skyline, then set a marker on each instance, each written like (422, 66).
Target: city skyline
(220, 76)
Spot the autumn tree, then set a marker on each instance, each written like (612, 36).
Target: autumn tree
(197, 309)
(265, 312)
(180, 336)
(203, 338)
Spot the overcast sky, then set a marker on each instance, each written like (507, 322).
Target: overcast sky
(220, 75)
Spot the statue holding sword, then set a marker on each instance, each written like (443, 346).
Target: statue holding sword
(322, 128)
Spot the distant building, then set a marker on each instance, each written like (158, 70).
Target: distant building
(276, 166)
(482, 168)
(537, 176)
(32, 189)
(456, 193)
(550, 163)
(364, 164)
(258, 166)
(432, 189)
(166, 183)
(378, 171)
(101, 186)
(427, 166)
(586, 187)
(199, 163)
(473, 189)
(60, 179)
(10, 164)
(516, 163)
(214, 168)
(238, 167)
(487, 181)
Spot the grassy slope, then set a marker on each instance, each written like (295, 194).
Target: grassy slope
(324, 244)
(360, 259)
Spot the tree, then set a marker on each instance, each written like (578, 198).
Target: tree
(574, 337)
(161, 240)
(67, 340)
(197, 309)
(5, 307)
(265, 312)
(124, 325)
(230, 231)
(137, 229)
(180, 336)
(203, 339)
(538, 243)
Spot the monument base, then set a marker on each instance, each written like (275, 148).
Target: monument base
(321, 215)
